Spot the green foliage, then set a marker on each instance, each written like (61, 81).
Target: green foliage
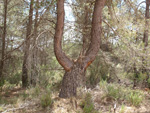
(24, 95)
(15, 79)
(113, 92)
(7, 86)
(2, 82)
(36, 91)
(46, 99)
(148, 81)
(117, 92)
(103, 84)
(87, 104)
(122, 110)
(135, 98)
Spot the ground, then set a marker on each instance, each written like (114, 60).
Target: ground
(19, 100)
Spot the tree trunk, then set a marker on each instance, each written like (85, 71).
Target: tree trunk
(25, 68)
(71, 80)
(145, 41)
(34, 56)
(74, 75)
(145, 37)
(3, 40)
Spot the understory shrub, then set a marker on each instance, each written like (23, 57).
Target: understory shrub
(46, 99)
(117, 92)
(88, 105)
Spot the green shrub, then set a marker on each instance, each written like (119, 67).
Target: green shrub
(135, 98)
(87, 104)
(103, 84)
(113, 92)
(15, 79)
(24, 95)
(122, 110)
(117, 92)
(148, 81)
(36, 91)
(46, 100)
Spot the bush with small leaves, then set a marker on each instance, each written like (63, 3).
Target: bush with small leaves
(46, 100)
(135, 98)
(88, 105)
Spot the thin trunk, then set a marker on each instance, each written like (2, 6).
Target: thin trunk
(145, 41)
(85, 33)
(34, 61)
(3, 39)
(25, 68)
(145, 38)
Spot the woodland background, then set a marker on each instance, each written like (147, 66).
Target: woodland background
(118, 79)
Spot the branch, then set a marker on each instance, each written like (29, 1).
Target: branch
(60, 55)
(95, 34)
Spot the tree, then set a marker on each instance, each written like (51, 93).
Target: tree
(74, 69)
(3, 39)
(25, 68)
(34, 61)
(145, 39)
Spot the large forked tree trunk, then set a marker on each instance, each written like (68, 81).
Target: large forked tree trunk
(3, 40)
(74, 76)
(25, 68)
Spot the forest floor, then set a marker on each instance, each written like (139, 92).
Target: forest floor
(19, 100)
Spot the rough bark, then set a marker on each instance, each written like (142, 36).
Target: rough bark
(145, 41)
(3, 39)
(95, 33)
(25, 70)
(85, 34)
(75, 70)
(71, 80)
(60, 55)
(34, 61)
(145, 38)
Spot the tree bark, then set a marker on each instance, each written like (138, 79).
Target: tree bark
(60, 55)
(145, 38)
(3, 40)
(25, 70)
(34, 61)
(145, 41)
(95, 33)
(74, 75)
(71, 80)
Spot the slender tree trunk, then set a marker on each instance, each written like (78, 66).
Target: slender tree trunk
(34, 61)
(145, 41)
(25, 68)
(145, 37)
(74, 70)
(3, 39)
